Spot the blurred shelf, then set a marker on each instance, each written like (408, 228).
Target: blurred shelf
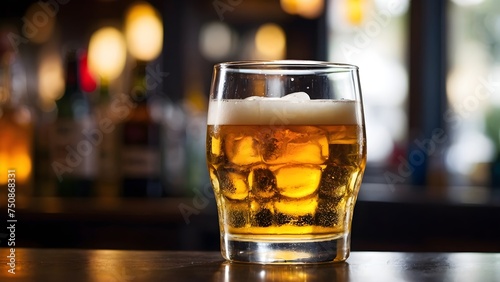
(451, 196)
(146, 210)
(395, 218)
(426, 218)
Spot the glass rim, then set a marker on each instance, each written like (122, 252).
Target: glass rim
(253, 65)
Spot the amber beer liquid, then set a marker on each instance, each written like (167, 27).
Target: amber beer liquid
(285, 170)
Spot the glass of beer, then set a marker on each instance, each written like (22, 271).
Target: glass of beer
(286, 152)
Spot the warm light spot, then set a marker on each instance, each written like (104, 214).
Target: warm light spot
(50, 77)
(4, 165)
(22, 160)
(144, 31)
(15, 152)
(306, 8)
(290, 6)
(311, 9)
(107, 53)
(355, 11)
(270, 41)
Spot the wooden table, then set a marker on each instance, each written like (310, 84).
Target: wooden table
(75, 265)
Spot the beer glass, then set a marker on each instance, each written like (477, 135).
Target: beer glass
(286, 152)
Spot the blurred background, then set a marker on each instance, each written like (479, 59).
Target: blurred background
(103, 113)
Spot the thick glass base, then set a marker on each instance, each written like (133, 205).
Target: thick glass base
(287, 252)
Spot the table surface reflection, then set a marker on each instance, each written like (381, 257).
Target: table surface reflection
(117, 265)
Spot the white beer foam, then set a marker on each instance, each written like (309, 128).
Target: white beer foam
(279, 111)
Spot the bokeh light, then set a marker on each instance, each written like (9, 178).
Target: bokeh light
(107, 53)
(87, 80)
(144, 31)
(50, 78)
(270, 42)
(216, 40)
(306, 8)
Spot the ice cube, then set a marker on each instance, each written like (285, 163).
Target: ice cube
(233, 185)
(297, 207)
(309, 145)
(272, 143)
(345, 154)
(297, 96)
(242, 150)
(297, 181)
(262, 183)
(296, 145)
(214, 179)
(215, 146)
(299, 212)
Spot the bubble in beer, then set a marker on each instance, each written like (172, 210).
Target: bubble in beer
(237, 218)
(305, 220)
(237, 212)
(282, 219)
(264, 218)
(326, 213)
(334, 181)
(262, 183)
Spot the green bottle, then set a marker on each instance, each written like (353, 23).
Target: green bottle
(74, 143)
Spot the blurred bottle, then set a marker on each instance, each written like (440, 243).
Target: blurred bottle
(73, 145)
(107, 121)
(141, 150)
(196, 128)
(493, 131)
(174, 150)
(16, 127)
